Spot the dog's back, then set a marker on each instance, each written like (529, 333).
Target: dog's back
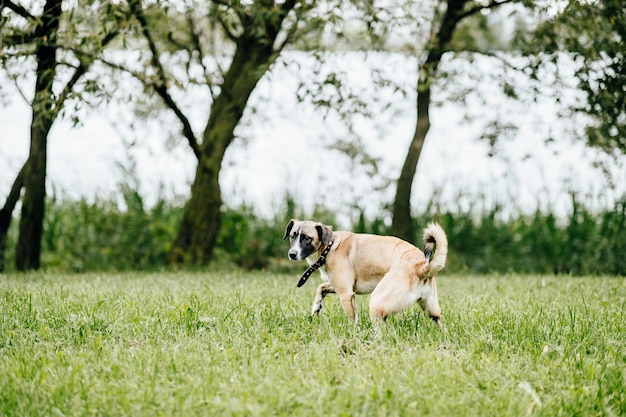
(363, 258)
(372, 256)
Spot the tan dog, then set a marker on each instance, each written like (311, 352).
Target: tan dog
(396, 273)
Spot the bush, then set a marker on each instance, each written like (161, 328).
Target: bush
(99, 235)
(106, 235)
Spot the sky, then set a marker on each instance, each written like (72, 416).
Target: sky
(285, 146)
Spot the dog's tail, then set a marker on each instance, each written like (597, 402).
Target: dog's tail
(434, 239)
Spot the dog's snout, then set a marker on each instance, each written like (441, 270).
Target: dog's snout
(293, 255)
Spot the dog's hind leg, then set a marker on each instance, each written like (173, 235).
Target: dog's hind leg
(393, 294)
(321, 292)
(430, 301)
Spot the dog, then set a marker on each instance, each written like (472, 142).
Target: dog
(396, 273)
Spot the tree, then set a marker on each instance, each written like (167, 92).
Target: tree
(189, 45)
(594, 33)
(447, 18)
(28, 38)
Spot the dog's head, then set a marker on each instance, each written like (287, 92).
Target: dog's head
(306, 237)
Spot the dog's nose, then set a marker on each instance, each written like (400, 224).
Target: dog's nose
(293, 255)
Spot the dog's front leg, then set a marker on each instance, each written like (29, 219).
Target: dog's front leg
(348, 303)
(321, 292)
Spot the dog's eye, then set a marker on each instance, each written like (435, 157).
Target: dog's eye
(305, 238)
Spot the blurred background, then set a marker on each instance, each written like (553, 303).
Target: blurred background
(185, 134)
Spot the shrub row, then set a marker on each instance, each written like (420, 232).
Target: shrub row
(100, 236)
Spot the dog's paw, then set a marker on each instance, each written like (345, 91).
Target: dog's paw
(317, 307)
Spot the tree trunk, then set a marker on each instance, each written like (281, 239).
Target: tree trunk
(402, 223)
(198, 232)
(28, 251)
(31, 221)
(6, 214)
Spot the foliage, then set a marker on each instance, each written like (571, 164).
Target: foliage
(451, 25)
(225, 343)
(104, 235)
(255, 242)
(169, 47)
(225, 48)
(187, 47)
(490, 241)
(98, 235)
(594, 32)
(80, 38)
(43, 42)
(582, 243)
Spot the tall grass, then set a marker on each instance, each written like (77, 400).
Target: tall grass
(100, 236)
(584, 242)
(225, 343)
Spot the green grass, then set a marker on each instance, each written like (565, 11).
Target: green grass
(235, 343)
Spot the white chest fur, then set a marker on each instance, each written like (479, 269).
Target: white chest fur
(312, 259)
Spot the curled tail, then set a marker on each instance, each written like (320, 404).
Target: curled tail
(434, 238)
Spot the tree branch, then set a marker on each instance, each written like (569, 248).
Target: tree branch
(505, 61)
(113, 65)
(6, 213)
(195, 39)
(287, 7)
(80, 71)
(16, 8)
(160, 86)
(14, 195)
(223, 3)
(229, 34)
(22, 37)
(492, 5)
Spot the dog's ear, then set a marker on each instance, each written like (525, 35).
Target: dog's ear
(325, 233)
(288, 229)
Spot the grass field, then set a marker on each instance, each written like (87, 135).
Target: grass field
(235, 343)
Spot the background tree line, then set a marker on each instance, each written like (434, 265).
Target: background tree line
(227, 46)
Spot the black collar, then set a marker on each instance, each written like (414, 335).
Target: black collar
(321, 261)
